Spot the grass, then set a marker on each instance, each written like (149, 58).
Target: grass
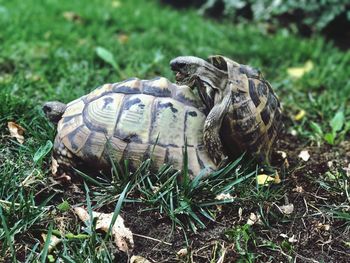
(60, 50)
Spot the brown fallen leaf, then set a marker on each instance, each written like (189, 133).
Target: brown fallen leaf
(16, 131)
(287, 209)
(253, 219)
(54, 241)
(298, 189)
(138, 259)
(122, 235)
(224, 196)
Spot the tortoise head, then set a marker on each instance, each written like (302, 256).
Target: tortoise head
(54, 110)
(208, 76)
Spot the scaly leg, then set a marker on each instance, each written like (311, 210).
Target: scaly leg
(211, 134)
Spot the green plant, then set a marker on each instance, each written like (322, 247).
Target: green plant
(315, 14)
(338, 127)
(242, 236)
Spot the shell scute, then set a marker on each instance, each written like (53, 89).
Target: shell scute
(93, 147)
(76, 139)
(98, 92)
(168, 122)
(131, 86)
(136, 153)
(74, 109)
(69, 124)
(159, 87)
(100, 114)
(194, 126)
(135, 118)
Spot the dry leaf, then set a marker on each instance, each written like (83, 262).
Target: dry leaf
(264, 179)
(31, 178)
(304, 155)
(298, 189)
(16, 131)
(293, 132)
(122, 235)
(300, 115)
(223, 196)
(240, 212)
(324, 227)
(72, 17)
(287, 209)
(123, 38)
(182, 252)
(347, 170)
(54, 241)
(253, 219)
(298, 72)
(277, 179)
(139, 259)
(54, 166)
(286, 164)
(292, 239)
(283, 154)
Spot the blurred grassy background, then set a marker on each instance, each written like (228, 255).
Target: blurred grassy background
(48, 51)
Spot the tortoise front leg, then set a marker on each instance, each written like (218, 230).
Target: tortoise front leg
(211, 133)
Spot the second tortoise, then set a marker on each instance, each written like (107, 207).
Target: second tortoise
(245, 113)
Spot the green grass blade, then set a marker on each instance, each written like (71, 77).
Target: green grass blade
(9, 238)
(45, 250)
(117, 209)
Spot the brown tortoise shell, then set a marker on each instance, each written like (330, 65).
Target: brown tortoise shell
(253, 119)
(133, 120)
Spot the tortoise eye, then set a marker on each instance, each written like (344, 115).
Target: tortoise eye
(177, 65)
(46, 108)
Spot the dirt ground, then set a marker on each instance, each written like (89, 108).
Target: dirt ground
(316, 237)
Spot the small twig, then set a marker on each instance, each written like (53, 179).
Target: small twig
(318, 197)
(321, 213)
(346, 189)
(305, 258)
(154, 239)
(223, 253)
(306, 207)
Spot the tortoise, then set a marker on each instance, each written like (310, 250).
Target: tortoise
(245, 113)
(134, 120)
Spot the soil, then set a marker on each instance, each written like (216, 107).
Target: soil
(317, 237)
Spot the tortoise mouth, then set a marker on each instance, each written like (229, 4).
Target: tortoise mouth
(183, 78)
(180, 76)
